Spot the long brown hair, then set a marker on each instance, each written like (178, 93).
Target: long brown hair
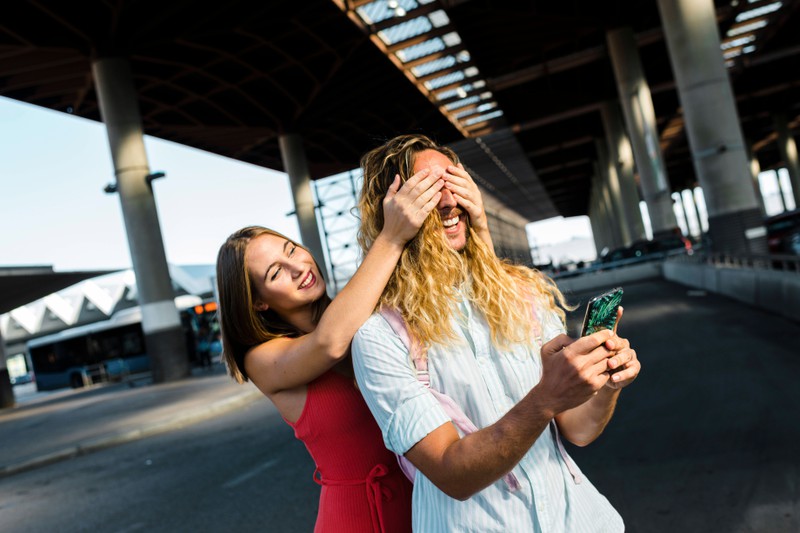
(241, 324)
(431, 277)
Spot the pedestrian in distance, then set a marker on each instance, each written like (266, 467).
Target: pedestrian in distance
(281, 331)
(491, 336)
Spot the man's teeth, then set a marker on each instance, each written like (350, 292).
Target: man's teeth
(450, 222)
(308, 280)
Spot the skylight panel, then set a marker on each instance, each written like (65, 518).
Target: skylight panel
(421, 50)
(747, 28)
(432, 66)
(758, 11)
(405, 30)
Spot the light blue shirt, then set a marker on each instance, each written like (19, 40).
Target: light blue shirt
(485, 382)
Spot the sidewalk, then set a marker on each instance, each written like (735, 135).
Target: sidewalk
(44, 428)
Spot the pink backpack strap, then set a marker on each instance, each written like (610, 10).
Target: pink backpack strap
(456, 414)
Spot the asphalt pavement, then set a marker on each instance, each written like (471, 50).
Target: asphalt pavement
(46, 427)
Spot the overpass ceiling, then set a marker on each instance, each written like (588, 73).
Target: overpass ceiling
(231, 77)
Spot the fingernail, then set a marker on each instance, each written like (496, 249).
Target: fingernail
(615, 377)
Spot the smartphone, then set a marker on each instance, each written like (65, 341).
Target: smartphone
(601, 312)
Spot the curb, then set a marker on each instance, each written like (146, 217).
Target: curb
(147, 430)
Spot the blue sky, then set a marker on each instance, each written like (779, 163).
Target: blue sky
(53, 168)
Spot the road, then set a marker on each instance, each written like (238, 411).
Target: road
(243, 471)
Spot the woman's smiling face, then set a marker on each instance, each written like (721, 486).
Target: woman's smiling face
(283, 275)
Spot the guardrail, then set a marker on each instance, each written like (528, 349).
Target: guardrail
(790, 263)
(598, 266)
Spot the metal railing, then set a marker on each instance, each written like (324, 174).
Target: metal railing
(786, 263)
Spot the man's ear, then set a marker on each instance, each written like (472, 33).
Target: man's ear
(260, 306)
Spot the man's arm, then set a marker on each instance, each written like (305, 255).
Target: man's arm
(460, 467)
(581, 425)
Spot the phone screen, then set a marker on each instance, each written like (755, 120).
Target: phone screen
(601, 312)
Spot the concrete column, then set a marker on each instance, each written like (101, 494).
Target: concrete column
(755, 170)
(696, 209)
(640, 119)
(6, 391)
(598, 231)
(788, 150)
(712, 125)
(678, 199)
(608, 217)
(620, 155)
(601, 225)
(161, 324)
(296, 166)
(612, 187)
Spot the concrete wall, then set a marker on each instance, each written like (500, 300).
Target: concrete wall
(773, 291)
(603, 280)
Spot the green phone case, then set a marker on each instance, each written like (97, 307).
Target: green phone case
(601, 313)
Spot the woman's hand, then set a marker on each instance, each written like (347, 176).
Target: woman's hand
(467, 195)
(406, 208)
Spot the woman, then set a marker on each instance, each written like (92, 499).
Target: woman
(280, 330)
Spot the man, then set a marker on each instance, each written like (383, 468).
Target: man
(481, 322)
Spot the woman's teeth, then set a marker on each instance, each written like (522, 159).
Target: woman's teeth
(307, 281)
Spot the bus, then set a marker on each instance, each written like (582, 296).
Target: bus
(109, 350)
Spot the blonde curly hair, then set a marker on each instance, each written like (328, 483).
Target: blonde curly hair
(431, 276)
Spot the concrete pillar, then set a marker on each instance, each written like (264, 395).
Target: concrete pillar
(712, 125)
(696, 209)
(613, 190)
(595, 221)
(620, 155)
(609, 220)
(296, 166)
(755, 170)
(788, 151)
(6, 391)
(640, 119)
(161, 323)
(677, 198)
(601, 225)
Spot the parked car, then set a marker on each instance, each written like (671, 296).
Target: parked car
(783, 233)
(660, 247)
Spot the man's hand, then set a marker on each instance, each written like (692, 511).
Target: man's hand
(573, 371)
(623, 365)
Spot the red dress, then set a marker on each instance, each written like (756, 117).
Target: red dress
(363, 489)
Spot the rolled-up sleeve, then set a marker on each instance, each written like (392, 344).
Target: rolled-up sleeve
(404, 408)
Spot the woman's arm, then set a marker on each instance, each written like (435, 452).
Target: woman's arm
(286, 363)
